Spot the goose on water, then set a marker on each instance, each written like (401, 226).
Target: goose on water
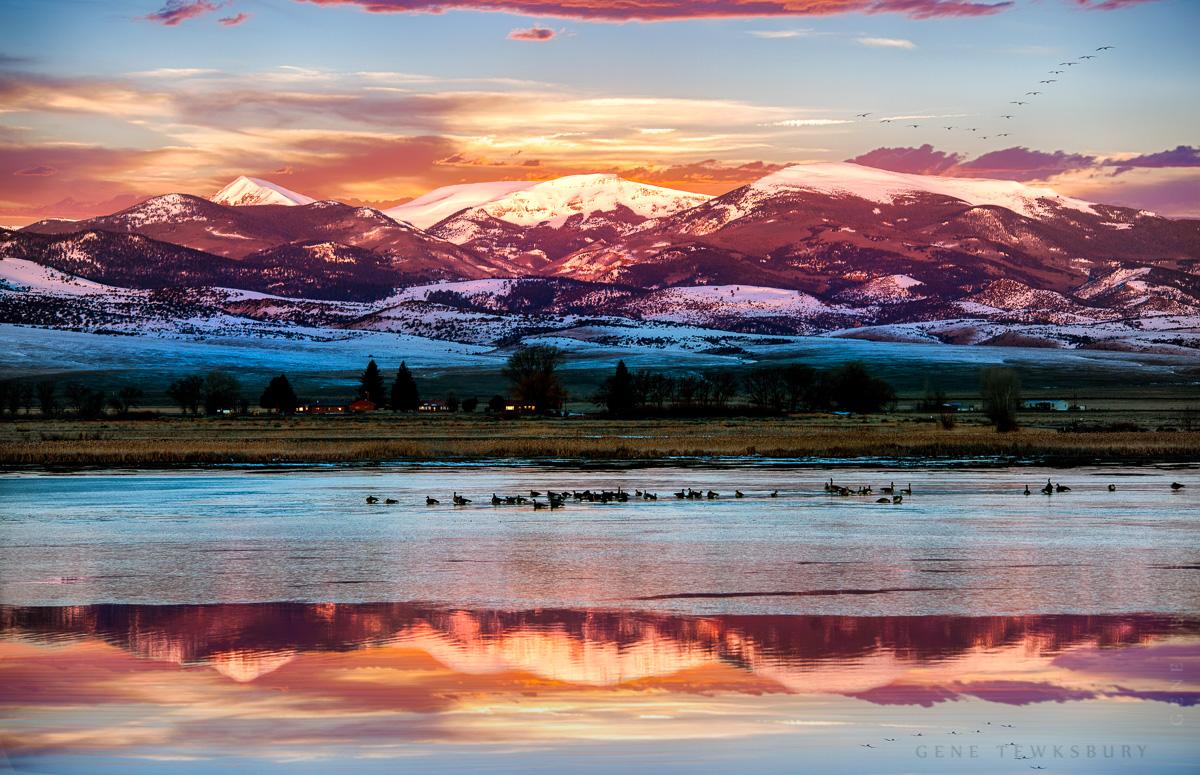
(430, 501)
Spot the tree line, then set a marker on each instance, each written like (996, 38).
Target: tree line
(784, 388)
(77, 399)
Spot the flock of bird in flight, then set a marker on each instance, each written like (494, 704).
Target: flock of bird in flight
(1018, 103)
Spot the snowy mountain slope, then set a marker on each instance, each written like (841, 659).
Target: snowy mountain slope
(21, 276)
(429, 209)
(245, 191)
(539, 224)
(554, 202)
(884, 186)
(237, 232)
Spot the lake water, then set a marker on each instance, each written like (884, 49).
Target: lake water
(204, 621)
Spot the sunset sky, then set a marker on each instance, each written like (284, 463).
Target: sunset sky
(378, 101)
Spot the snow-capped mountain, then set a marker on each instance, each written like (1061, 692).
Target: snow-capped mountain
(245, 191)
(429, 209)
(809, 249)
(237, 232)
(811, 229)
(541, 223)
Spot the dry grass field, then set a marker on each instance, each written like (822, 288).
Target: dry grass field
(170, 441)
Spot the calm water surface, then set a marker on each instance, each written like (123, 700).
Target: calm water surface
(965, 542)
(218, 621)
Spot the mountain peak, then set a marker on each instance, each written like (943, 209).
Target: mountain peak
(244, 191)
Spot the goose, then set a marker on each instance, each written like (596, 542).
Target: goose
(1027, 490)
(538, 505)
(1112, 488)
(891, 488)
(1177, 486)
(883, 500)
(897, 499)
(372, 499)
(712, 494)
(681, 495)
(1049, 488)
(460, 500)
(649, 496)
(534, 493)
(431, 501)
(774, 493)
(496, 501)
(1060, 487)
(391, 501)
(907, 490)
(739, 494)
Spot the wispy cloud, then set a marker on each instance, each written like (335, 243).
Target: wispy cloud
(887, 42)
(233, 21)
(799, 122)
(667, 10)
(174, 72)
(39, 171)
(175, 12)
(780, 34)
(533, 34)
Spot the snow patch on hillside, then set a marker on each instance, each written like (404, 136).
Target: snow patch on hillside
(21, 276)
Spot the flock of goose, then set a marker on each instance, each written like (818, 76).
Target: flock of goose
(555, 499)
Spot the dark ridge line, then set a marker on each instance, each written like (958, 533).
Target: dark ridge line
(786, 593)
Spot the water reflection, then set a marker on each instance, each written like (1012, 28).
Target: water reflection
(186, 686)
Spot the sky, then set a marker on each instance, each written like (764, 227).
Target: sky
(103, 103)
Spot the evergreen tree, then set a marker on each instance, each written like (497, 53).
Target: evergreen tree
(617, 392)
(405, 397)
(279, 396)
(371, 384)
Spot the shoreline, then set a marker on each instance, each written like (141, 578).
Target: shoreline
(808, 441)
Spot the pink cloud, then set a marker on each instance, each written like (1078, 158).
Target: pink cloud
(665, 10)
(175, 12)
(1020, 163)
(532, 34)
(233, 21)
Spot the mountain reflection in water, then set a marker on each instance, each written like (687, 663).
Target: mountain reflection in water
(180, 686)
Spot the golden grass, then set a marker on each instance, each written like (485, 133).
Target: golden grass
(175, 441)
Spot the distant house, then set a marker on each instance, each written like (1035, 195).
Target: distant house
(363, 405)
(516, 409)
(323, 407)
(1051, 405)
(432, 406)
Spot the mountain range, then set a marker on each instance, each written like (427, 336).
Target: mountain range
(814, 248)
